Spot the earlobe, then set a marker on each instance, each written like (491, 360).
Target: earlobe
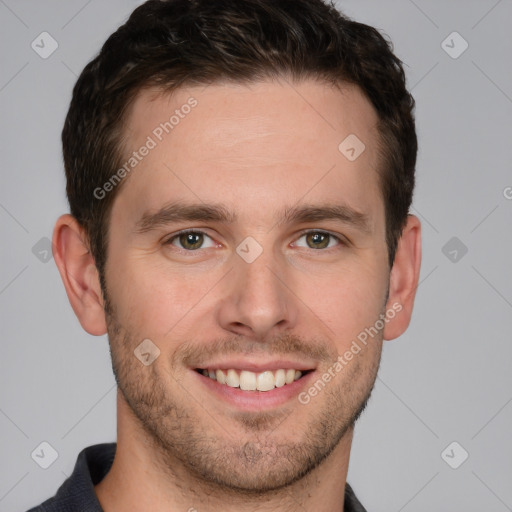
(404, 279)
(79, 274)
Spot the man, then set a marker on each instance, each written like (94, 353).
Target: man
(239, 176)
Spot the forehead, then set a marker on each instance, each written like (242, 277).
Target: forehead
(257, 145)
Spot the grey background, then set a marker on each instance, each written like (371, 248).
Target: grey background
(447, 379)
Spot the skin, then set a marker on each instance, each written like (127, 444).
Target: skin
(254, 149)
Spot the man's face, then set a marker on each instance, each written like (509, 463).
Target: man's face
(216, 299)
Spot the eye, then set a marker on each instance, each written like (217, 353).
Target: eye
(319, 240)
(190, 240)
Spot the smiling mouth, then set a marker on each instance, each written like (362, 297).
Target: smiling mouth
(252, 381)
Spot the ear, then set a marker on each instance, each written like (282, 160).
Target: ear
(79, 274)
(404, 278)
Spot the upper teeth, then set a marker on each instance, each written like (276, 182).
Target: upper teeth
(250, 381)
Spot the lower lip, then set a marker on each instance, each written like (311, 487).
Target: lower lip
(256, 400)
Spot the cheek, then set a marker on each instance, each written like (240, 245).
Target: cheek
(347, 301)
(154, 300)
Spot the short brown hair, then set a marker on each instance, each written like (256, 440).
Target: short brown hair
(172, 43)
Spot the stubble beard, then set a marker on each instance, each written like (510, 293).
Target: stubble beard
(258, 459)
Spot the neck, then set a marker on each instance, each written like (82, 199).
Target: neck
(143, 478)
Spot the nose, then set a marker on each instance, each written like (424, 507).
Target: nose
(258, 301)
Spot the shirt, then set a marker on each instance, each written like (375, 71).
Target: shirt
(77, 494)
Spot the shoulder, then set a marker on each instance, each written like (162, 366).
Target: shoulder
(352, 504)
(77, 491)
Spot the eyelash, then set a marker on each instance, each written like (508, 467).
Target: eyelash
(340, 241)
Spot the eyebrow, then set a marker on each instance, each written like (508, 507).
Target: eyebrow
(304, 213)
